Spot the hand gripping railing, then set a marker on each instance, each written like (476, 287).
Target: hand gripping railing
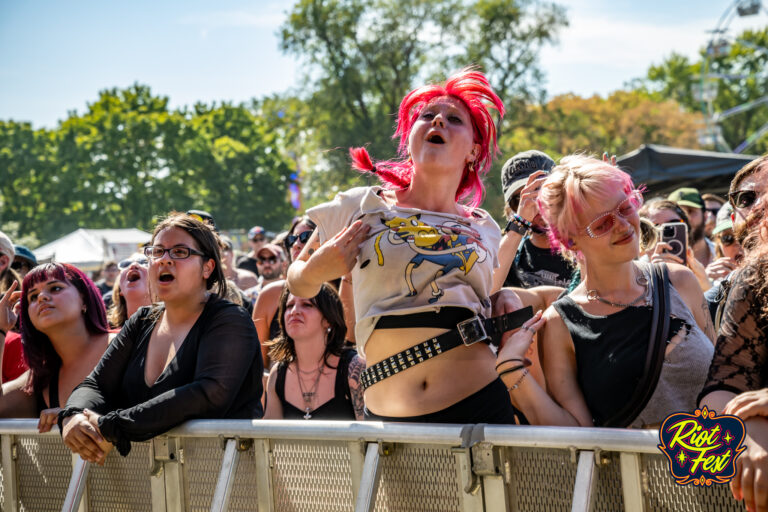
(292, 465)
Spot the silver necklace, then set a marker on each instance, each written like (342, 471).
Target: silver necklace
(308, 396)
(593, 295)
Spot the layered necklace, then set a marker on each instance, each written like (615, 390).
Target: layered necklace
(309, 396)
(593, 295)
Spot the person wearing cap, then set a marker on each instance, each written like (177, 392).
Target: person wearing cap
(712, 205)
(24, 261)
(257, 237)
(204, 217)
(690, 200)
(270, 259)
(525, 247)
(728, 250)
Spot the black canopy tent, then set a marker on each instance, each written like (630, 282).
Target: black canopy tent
(663, 169)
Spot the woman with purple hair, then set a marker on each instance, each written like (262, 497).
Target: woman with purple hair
(64, 333)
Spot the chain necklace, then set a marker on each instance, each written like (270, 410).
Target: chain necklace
(308, 396)
(593, 295)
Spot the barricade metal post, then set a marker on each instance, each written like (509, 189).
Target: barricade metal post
(369, 483)
(224, 484)
(488, 463)
(585, 482)
(356, 462)
(264, 465)
(10, 480)
(77, 484)
(167, 454)
(631, 483)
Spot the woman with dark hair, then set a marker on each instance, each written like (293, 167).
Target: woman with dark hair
(315, 377)
(64, 333)
(131, 290)
(265, 308)
(193, 356)
(421, 256)
(662, 211)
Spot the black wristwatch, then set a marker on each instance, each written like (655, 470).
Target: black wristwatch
(515, 226)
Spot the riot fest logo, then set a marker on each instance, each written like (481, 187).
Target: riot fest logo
(702, 447)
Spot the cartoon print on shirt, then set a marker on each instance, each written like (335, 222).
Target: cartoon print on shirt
(450, 246)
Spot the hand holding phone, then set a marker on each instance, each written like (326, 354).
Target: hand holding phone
(675, 235)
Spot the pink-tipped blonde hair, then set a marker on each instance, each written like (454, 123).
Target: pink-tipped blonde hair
(564, 194)
(474, 91)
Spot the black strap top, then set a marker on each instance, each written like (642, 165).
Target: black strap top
(53, 393)
(610, 353)
(337, 408)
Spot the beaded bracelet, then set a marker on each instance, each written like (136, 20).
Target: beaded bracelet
(512, 370)
(517, 384)
(522, 221)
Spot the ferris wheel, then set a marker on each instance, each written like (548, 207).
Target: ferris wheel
(706, 89)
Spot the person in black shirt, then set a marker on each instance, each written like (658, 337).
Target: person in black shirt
(525, 247)
(194, 356)
(316, 377)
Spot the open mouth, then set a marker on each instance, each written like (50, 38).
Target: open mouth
(166, 277)
(436, 139)
(133, 276)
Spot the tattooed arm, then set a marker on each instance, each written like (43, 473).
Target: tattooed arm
(687, 285)
(356, 367)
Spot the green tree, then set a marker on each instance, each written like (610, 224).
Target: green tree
(738, 76)
(362, 57)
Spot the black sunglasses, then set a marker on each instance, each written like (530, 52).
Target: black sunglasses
(727, 239)
(743, 198)
(302, 237)
(271, 260)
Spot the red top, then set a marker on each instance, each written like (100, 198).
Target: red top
(13, 357)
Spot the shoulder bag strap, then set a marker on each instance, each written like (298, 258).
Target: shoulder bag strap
(654, 359)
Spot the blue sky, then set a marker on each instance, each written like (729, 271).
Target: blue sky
(55, 56)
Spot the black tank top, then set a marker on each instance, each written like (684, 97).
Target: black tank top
(610, 353)
(53, 393)
(337, 408)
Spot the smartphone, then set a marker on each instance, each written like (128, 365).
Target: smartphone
(676, 235)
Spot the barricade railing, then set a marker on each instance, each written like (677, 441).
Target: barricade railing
(266, 466)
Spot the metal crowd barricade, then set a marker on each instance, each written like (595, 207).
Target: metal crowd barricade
(266, 466)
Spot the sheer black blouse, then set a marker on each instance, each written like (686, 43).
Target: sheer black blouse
(741, 352)
(216, 373)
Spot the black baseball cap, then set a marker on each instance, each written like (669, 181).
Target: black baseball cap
(517, 170)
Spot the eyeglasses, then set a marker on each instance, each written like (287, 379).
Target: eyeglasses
(603, 224)
(177, 252)
(130, 261)
(743, 198)
(262, 261)
(712, 211)
(727, 239)
(258, 239)
(301, 237)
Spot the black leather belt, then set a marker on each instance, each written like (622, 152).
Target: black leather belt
(467, 332)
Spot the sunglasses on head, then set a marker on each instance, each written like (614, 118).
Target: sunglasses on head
(743, 198)
(142, 261)
(272, 260)
(301, 237)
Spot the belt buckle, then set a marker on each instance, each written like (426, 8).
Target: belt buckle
(472, 330)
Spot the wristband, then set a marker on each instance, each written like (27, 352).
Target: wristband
(522, 360)
(512, 370)
(522, 221)
(514, 225)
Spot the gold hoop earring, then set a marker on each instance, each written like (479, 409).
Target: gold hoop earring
(471, 166)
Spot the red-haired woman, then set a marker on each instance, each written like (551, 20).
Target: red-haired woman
(421, 256)
(64, 334)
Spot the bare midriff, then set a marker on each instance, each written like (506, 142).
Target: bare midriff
(429, 386)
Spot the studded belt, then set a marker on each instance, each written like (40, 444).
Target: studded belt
(467, 332)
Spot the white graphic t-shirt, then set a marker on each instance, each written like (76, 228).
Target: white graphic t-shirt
(412, 260)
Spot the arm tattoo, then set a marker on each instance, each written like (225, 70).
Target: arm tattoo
(356, 367)
(311, 252)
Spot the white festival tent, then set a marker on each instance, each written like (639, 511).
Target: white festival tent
(88, 249)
